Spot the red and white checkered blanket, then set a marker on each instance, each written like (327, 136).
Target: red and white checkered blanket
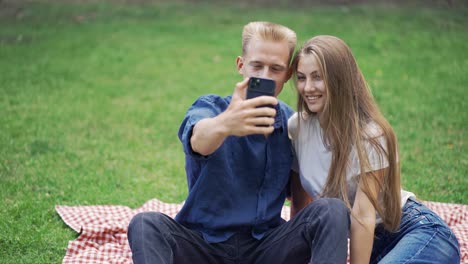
(103, 229)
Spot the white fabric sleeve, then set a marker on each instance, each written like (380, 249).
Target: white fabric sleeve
(293, 126)
(377, 159)
(292, 134)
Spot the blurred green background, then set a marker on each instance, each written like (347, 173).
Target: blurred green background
(92, 94)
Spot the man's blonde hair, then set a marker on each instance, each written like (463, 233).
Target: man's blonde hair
(268, 31)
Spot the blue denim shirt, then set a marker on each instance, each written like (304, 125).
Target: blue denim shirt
(242, 185)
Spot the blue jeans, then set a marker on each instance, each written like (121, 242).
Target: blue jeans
(318, 233)
(423, 237)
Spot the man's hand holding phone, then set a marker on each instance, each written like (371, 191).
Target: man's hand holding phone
(242, 117)
(256, 113)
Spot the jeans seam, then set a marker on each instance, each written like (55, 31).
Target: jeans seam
(450, 237)
(425, 245)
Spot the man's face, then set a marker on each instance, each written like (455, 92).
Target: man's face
(266, 59)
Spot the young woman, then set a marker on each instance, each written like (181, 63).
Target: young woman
(346, 149)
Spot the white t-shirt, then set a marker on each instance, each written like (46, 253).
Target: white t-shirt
(313, 158)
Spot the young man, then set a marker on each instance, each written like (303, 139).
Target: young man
(238, 162)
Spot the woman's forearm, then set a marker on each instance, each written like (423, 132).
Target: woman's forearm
(362, 239)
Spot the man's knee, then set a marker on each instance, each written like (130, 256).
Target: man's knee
(329, 208)
(145, 220)
(339, 210)
(336, 206)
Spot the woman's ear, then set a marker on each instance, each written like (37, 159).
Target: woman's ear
(240, 65)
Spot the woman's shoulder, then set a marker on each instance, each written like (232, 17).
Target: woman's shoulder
(372, 130)
(293, 123)
(298, 122)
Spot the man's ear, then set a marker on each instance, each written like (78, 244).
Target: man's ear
(240, 65)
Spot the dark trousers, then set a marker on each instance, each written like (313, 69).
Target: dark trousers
(317, 234)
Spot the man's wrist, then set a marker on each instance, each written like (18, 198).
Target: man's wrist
(220, 125)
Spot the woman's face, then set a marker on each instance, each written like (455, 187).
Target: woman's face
(310, 83)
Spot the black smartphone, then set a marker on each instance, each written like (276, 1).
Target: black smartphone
(260, 86)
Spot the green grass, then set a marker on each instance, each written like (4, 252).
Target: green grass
(91, 97)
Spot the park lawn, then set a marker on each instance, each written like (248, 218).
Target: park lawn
(92, 95)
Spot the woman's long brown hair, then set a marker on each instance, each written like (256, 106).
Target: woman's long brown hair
(349, 109)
